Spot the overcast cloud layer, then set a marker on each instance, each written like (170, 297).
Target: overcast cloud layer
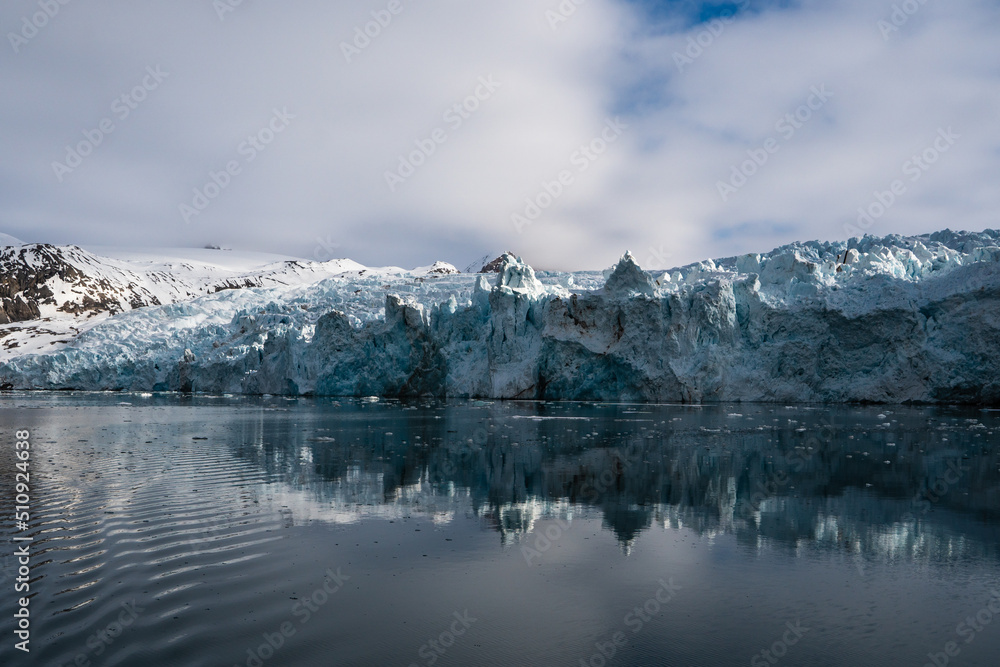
(670, 97)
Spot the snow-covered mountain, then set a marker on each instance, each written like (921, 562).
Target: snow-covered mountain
(50, 294)
(886, 320)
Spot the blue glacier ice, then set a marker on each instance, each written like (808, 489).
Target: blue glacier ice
(894, 319)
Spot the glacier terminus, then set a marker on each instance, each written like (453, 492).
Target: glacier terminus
(882, 320)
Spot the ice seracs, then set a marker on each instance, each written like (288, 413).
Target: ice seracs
(627, 278)
(889, 319)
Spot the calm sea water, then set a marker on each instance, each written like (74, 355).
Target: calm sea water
(255, 532)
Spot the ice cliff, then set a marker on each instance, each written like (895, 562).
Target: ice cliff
(891, 319)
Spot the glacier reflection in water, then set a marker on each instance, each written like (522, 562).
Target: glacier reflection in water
(551, 524)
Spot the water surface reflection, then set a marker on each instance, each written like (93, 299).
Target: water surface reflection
(552, 525)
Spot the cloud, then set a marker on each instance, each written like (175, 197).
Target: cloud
(554, 85)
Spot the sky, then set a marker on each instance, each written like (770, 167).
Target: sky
(402, 132)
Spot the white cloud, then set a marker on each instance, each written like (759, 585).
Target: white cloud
(653, 191)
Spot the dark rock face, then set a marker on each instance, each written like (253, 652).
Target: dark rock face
(28, 274)
(24, 272)
(241, 283)
(18, 310)
(442, 269)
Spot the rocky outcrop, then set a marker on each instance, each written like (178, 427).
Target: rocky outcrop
(41, 278)
(495, 265)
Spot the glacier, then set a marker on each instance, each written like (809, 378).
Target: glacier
(882, 320)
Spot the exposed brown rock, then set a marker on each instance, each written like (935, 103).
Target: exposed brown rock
(497, 264)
